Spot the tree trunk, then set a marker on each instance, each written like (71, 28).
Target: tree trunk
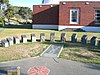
(9, 21)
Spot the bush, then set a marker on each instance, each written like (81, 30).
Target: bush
(1, 22)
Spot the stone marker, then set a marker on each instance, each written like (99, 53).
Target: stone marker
(63, 37)
(33, 38)
(42, 37)
(52, 37)
(84, 39)
(16, 40)
(74, 38)
(99, 43)
(10, 41)
(10, 71)
(93, 41)
(4, 43)
(24, 38)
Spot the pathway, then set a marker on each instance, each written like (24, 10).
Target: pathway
(56, 66)
(53, 50)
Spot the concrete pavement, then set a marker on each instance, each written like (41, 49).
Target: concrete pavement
(53, 50)
(57, 66)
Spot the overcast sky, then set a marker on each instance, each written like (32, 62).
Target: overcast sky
(30, 3)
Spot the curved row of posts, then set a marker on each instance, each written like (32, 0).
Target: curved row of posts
(8, 42)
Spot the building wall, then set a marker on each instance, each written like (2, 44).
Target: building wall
(46, 14)
(86, 13)
(58, 16)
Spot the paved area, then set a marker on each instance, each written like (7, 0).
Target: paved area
(53, 50)
(56, 66)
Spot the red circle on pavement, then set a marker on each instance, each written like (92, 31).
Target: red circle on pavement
(39, 70)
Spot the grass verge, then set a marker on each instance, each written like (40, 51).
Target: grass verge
(82, 53)
(71, 51)
(21, 51)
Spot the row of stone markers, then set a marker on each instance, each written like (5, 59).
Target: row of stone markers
(8, 42)
(94, 41)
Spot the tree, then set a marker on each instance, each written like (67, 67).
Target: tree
(9, 13)
(25, 12)
(4, 1)
(1, 19)
(2, 11)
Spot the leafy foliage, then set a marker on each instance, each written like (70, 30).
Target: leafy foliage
(4, 1)
(9, 12)
(1, 19)
(24, 12)
(15, 11)
(6, 13)
(0, 13)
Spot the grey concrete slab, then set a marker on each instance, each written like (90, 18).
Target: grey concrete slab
(53, 50)
(57, 66)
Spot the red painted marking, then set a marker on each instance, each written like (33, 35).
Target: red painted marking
(39, 70)
(32, 71)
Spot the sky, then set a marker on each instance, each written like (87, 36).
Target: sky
(25, 3)
(30, 3)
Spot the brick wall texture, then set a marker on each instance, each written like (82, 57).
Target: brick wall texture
(46, 14)
(60, 14)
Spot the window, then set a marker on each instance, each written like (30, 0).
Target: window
(74, 18)
(97, 17)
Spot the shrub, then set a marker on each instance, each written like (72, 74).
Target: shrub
(1, 22)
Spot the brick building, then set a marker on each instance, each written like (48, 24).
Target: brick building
(67, 15)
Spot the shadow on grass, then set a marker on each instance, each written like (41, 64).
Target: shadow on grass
(81, 56)
(78, 44)
(92, 66)
(0, 45)
(19, 26)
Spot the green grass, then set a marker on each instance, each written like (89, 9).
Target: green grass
(82, 53)
(9, 32)
(1, 24)
(71, 51)
(21, 51)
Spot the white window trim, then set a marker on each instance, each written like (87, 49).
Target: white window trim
(77, 16)
(96, 18)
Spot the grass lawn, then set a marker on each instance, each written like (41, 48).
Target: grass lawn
(71, 51)
(6, 33)
(82, 53)
(21, 51)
